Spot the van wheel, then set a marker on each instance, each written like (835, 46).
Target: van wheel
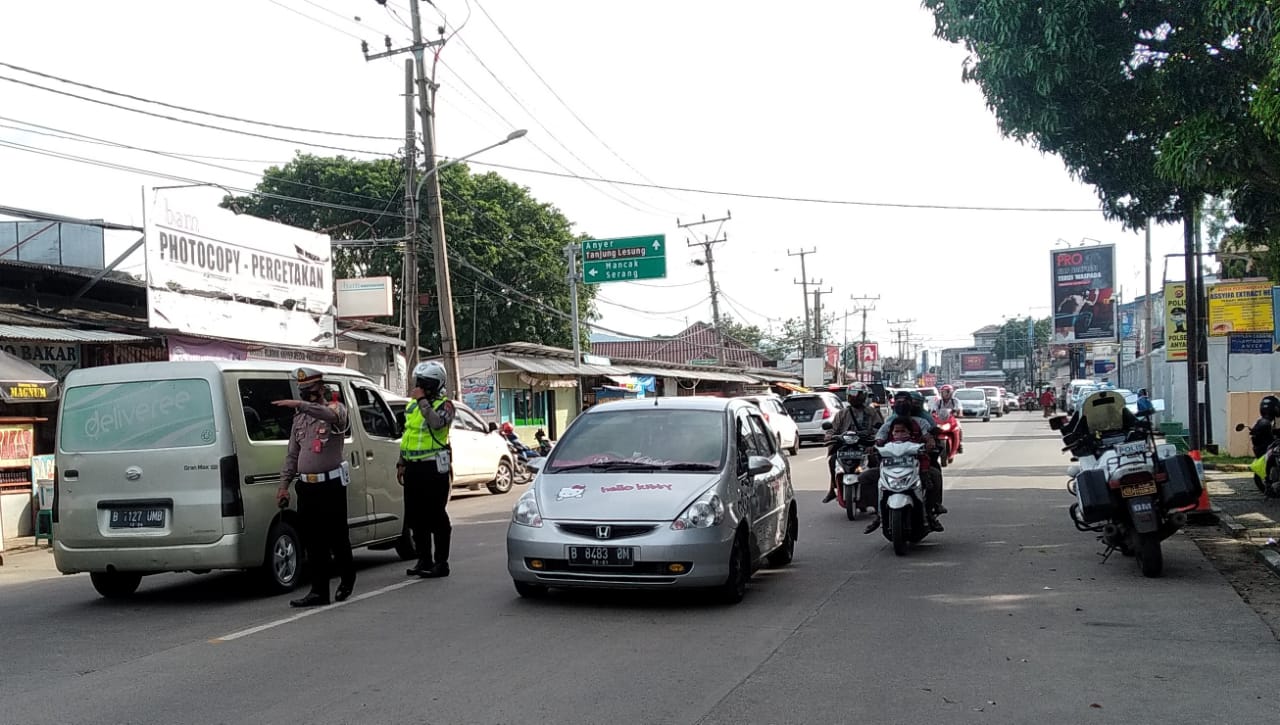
(502, 480)
(283, 561)
(115, 584)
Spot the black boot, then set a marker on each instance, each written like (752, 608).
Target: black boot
(314, 599)
(875, 524)
(345, 587)
(422, 567)
(438, 571)
(935, 524)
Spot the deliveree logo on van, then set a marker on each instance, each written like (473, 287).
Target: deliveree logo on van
(117, 417)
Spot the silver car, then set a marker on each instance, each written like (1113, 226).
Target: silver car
(810, 411)
(659, 493)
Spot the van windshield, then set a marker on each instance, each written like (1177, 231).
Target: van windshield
(137, 416)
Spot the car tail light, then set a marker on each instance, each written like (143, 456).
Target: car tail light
(232, 502)
(826, 412)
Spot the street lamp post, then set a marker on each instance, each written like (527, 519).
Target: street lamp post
(444, 292)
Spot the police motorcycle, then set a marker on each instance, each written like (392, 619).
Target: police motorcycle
(852, 451)
(901, 494)
(1130, 491)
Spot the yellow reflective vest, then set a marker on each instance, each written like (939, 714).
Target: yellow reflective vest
(419, 442)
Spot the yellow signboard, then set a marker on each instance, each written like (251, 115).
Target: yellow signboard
(1239, 307)
(1175, 321)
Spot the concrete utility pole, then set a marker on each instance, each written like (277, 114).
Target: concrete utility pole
(901, 332)
(709, 259)
(817, 322)
(444, 290)
(804, 282)
(1147, 336)
(864, 308)
(1193, 321)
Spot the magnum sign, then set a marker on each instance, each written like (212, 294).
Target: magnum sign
(27, 392)
(1083, 287)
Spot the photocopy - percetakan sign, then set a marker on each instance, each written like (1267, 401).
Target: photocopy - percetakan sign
(214, 273)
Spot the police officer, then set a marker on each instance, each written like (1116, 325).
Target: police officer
(424, 469)
(315, 457)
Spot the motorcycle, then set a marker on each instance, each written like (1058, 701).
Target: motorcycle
(1268, 484)
(901, 495)
(947, 434)
(521, 455)
(544, 444)
(851, 460)
(1129, 490)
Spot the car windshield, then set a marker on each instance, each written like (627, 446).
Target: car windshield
(970, 395)
(653, 439)
(806, 404)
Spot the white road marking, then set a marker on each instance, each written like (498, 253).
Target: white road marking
(822, 457)
(313, 611)
(503, 520)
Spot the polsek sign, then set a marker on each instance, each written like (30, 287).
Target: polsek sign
(217, 274)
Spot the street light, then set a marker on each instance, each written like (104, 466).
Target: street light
(518, 133)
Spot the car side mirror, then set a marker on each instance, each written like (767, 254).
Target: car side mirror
(1240, 427)
(759, 465)
(492, 426)
(826, 426)
(535, 464)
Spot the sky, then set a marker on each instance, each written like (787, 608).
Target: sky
(851, 102)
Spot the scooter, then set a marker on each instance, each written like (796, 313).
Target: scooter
(947, 433)
(1268, 485)
(544, 444)
(1129, 490)
(851, 460)
(902, 497)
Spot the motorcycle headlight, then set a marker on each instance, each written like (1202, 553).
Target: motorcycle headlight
(704, 513)
(897, 483)
(526, 511)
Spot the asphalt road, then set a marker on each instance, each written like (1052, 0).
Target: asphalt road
(1006, 617)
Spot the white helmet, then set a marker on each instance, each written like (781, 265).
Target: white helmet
(429, 376)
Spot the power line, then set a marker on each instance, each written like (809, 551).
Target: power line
(776, 197)
(650, 312)
(314, 19)
(189, 121)
(72, 136)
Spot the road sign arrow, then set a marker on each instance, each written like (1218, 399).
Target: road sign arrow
(593, 272)
(657, 245)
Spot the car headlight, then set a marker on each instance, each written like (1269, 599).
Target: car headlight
(526, 511)
(704, 513)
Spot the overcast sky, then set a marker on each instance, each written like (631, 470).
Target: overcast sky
(847, 101)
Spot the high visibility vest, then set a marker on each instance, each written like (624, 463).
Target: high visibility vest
(419, 441)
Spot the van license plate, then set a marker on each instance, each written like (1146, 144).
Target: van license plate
(601, 556)
(1141, 489)
(148, 518)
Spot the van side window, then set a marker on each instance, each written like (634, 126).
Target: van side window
(267, 422)
(375, 415)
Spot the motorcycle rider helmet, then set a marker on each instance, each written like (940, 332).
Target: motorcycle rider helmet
(857, 395)
(507, 429)
(430, 377)
(946, 391)
(902, 403)
(1269, 407)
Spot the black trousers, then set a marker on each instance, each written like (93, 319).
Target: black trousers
(322, 508)
(426, 496)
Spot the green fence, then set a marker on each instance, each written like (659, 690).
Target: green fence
(1179, 436)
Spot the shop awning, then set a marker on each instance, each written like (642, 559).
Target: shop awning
(64, 334)
(22, 382)
(556, 366)
(792, 387)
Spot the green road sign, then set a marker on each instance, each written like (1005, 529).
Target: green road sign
(620, 260)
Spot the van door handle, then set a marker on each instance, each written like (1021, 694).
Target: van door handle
(71, 473)
(368, 455)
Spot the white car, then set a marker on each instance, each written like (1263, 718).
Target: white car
(786, 432)
(480, 455)
(1011, 402)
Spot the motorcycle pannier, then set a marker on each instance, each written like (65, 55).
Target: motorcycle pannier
(1095, 497)
(1183, 487)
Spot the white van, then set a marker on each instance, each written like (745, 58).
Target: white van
(173, 466)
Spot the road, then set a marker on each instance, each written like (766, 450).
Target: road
(1006, 617)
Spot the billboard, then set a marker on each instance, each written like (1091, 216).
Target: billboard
(977, 362)
(868, 353)
(1175, 321)
(1236, 307)
(214, 273)
(1083, 287)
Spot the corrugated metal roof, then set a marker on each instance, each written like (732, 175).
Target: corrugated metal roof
(364, 336)
(558, 366)
(64, 334)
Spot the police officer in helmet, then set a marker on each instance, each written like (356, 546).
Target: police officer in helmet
(315, 457)
(424, 469)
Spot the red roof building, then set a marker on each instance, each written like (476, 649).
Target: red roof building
(698, 344)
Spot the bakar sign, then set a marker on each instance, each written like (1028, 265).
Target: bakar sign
(624, 259)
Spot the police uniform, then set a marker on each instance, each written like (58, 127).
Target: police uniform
(425, 457)
(315, 456)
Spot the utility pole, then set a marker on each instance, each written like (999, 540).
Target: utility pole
(1189, 222)
(817, 322)
(805, 282)
(709, 259)
(1146, 313)
(863, 307)
(444, 291)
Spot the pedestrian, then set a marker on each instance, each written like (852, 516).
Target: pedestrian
(1145, 406)
(1047, 402)
(425, 469)
(315, 457)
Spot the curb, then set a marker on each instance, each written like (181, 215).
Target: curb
(1271, 558)
(1226, 467)
(1231, 527)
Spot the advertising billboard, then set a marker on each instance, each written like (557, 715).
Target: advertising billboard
(214, 273)
(868, 353)
(977, 362)
(1083, 294)
(1236, 307)
(1175, 321)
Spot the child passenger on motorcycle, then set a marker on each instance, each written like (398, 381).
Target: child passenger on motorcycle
(905, 427)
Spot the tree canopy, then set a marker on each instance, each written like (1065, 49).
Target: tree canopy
(496, 231)
(1153, 103)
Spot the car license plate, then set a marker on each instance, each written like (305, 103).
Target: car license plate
(140, 518)
(1129, 449)
(850, 479)
(601, 555)
(1140, 489)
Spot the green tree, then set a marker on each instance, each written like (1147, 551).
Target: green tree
(750, 335)
(496, 231)
(1155, 104)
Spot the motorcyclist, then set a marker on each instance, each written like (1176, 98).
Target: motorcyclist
(947, 406)
(859, 417)
(907, 410)
(1263, 432)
